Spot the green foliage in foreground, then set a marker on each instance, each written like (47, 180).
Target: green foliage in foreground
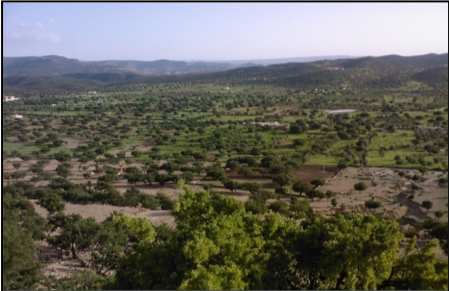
(21, 226)
(218, 244)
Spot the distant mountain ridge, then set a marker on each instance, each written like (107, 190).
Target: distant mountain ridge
(267, 62)
(53, 65)
(360, 72)
(58, 66)
(365, 72)
(422, 61)
(159, 67)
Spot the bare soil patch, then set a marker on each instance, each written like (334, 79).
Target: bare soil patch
(100, 212)
(386, 186)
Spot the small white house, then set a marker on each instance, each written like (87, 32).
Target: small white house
(9, 98)
(17, 116)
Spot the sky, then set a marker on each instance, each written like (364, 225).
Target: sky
(222, 31)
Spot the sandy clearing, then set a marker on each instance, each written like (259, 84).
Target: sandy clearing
(100, 212)
(386, 186)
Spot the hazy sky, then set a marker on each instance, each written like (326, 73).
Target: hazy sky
(222, 31)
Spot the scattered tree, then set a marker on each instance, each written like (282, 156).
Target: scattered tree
(360, 186)
(334, 202)
(439, 214)
(427, 204)
(372, 204)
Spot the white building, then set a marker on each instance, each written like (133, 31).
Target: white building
(269, 125)
(341, 111)
(9, 98)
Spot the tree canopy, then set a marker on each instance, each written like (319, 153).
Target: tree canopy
(219, 245)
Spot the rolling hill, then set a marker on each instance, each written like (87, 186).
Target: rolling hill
(53, 73)
(57, 66)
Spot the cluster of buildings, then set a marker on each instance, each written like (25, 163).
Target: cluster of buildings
(12, 98)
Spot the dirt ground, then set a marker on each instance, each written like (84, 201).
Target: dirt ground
(309, 173)
(100, 212)
(384, 185)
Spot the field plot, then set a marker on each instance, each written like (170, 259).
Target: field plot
(387, 187)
